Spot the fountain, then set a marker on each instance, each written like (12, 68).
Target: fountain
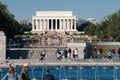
(94, 68)
(44, 68)
(115, 72)
(62, 68)
(1, 75)
(79, 71)
(32, 69)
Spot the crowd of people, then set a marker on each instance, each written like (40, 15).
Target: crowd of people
(64, 54)
(111, 54)
(13, 75)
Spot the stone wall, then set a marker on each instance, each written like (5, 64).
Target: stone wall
(79, 46)
(2, 46)
(106, 46)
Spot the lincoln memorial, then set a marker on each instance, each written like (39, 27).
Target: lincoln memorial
(45, 21)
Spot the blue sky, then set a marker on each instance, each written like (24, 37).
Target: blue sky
(83, 9)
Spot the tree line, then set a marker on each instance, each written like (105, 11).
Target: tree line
(108, 28)
(9, 25)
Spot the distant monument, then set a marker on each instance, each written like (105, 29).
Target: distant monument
(45, 21)
(2, 46)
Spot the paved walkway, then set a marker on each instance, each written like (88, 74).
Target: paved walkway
(83, 62)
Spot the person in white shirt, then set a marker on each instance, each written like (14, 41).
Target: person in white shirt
(11, 75)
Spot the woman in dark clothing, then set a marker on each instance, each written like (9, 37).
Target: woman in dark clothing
(119, 52)
(24, 74)
(48, 76)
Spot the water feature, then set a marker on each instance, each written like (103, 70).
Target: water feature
(77, 72)
(32, 69)
(44, 68)
(0, 72)
(62, 69)
(115, 73)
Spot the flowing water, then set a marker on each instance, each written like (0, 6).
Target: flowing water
(77, 72)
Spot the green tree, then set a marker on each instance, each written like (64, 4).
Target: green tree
(7, 22)
(101, 30)
(90, 29)
(109, 28)
(114, 25)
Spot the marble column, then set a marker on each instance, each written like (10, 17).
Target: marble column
(40, 25)
(51, 24)
(74, 24)
(56, 27)
(60, 24)
(64, 24)
(33, 24)
(71, 24)
(47, 24)
(36, 24)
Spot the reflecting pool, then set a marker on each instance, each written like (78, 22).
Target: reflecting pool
(71, 72)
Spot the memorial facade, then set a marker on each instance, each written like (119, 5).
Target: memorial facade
(53, 21)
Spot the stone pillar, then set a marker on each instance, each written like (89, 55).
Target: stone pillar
(56, 24)
(51, 24)
(40, 24)
(45, 24)
(71, 24)
(32, 24)
(68, 24)
(48, 24)
(79, 46)
(2, 46)
(60, 24)
(63, 24)
(36, 24)
(74, 24)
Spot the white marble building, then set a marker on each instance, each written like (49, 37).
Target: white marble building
(53, 21)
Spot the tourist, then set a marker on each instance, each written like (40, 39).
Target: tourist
(42, 56)
(69, 53)
(73, 54)
(48, 76)
(110, 54)
(58, 54)
(85, 53)
(76, 54)
(11, 75)
(24, 73)
(100, 53)
(66, 54)
(63, 54)
(119, 52)
(95, 53)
